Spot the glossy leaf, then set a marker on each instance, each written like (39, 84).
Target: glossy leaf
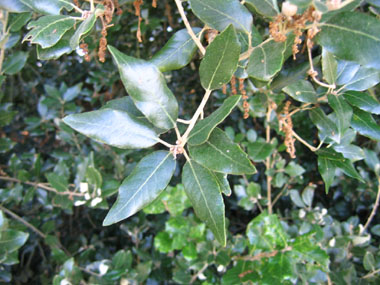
(267, 8)
(358, 32)
(56, 51)
(146, 182)
(58, 182)
(177, 52)
(302, 91)
(325, 125)
(221, 60)
(351, 152)
(363, 101)
(278, 269)
(220, 154)
(113, 127)
(363, 79)
(223, 183)
(18, 21)
(12, 240)
(14, 6)
(266, 60)
(14, 62)
(259, 151)
(343, 113)
(83, 29)
(203, 192)
(203, 128)
(52, 7)
(329, 67)
(310, 251)
(219, 14)
(327, 170)
(346, 70)
(365, 124)
(48, 30)
(147, 87)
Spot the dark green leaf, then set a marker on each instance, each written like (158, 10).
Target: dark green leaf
(324, 124)
(365, 124)
(203, 128)
(12, 240)
(343, 113)
(147, 87)
(18, 21)
(369, 261)
(222, 181)
(218, 14)
(259, 151)
(203, 192)
(363, 79)
(177, 52)
(14, 6)
(15, 62)
(329, 67)
(293, 169)
(327, 170)
(310, 251)
(146, 182)
(220, 154)
(363, 101)
(52, 7)
(296, 198)
(72, 92)
(6, 144)
(267, 8)
(56, 51)
(125, 104)
(302, 91)
(83, 29)
(113, 127)
(352, 152)
(221, 60)
(346, 70)
(58, 182)
(278, 269)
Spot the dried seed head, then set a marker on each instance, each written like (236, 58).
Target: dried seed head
(289, 9)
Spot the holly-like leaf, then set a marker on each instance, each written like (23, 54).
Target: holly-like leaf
(363, 101)
(352, 36)
(147, 87)
(364, 123)
(329, 67)
(15, 62)
(325, 125)
(50, 7)
(83, 29)
(266, 60)
(219, 14)
(221, 60)
(205, 197)
(222, 181)
(48, 30)
(259, 151)
(220, 154)
(203, 128)
(267, 8)
(302, 91)
(146, 182)
(343, 113)
(14, 6)
(113, 127)
(177, 52)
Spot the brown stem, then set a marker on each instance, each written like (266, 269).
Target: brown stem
(373, 210)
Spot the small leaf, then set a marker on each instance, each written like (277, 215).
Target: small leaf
(221, 60)
(369, 261)
(203, 128)
(259, 151)
(363, 101)
(177, 52)
(113, 127)
(83, 29)
(324, 124)
(293, 169)
(327, 170)
(58, 182)
(14, 62)
(48, 30)
(365, 124)
(222, 181)
(146, 182)
(203, 192)
(220, 154)
(147, 87)
(219, 14)
(267, 8)
(296, 198)
(266, 60)
(329, 67)
(302, 91)
(343, 113)
(52, 7)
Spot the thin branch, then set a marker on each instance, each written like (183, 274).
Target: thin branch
(373, 210)
(198, 273)
(247, 54)
(90, 272)
(186, 122)
(164, 143)
(371, 274)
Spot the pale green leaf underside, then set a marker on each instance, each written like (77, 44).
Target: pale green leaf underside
(51, 7)
(83, 29)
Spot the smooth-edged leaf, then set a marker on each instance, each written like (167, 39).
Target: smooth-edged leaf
(14, 6)
(6, 144)
(219, 14)
(48, 30)
(351, 152)
(278, 269)
(365, 124)
(325, 125)
(72, 92)
(221, 60)
(177, 52)
(83, 29)
(146, 182)
(203, 128)
(113, 127)
(222, 181)
(220, 154)
(293, 169)
(363, 101)
(310, 251)
(343, 113)
(267, 8)
(12, 240)
(18, 21)
(327, 170)
(329, 67)
(266, 60)
(302, 91)
(14, 62)
(57, 181)
(363, 79)
(346, 70)
(259, 151)
(147, 87)
(51, 7)
(352, 36)
(205, 197)
(56, 51)
(296, 198)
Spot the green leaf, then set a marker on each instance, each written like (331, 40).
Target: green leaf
(203, 192)
(329, 67)
(221, 60)
(125, 104)
(259, 151)
(346, 70)
(369, 261)
(14, 6)
(351, 152)
(358, 32)
(302, 91)
(12, 240)
(147, 87)
(324, 124)
(365, 124)
(6, 145)
(15, 62)
(146, 182)
(223, 183)
(113, 127)
(18, 21)
(343, 113)
(219, 14)
(327, 170)
(266, 60)
(278, 269)
(363, 101)
(52, 7)
(48, 30)
(177, 52)
(56, 51)
(363, 79)
(203, 128)
(310, 251)
(83, 29)
(220, 154)
(267, 8)
(58, 182)
(293, 169)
